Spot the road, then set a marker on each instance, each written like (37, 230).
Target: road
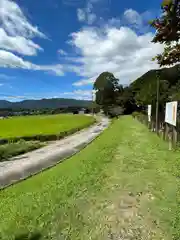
(26, 165)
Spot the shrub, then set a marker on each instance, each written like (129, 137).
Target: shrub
(13, 149)
(115, 111)
(142, 117)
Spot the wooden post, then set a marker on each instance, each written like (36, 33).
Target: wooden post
(161, 131)
(170, 138)
(174, 136)
(152, 126)
(166, 131)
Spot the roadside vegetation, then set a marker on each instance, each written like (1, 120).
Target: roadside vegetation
(42, 127)
(124, 185)
(9, 150)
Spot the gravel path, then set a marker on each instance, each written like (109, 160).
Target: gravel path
(31, 163)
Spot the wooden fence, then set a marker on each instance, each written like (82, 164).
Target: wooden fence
(167, 132)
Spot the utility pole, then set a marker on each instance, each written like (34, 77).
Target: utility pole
(157, 101)
(92, 103)
(93, 100)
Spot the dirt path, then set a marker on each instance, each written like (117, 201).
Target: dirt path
(28, 164)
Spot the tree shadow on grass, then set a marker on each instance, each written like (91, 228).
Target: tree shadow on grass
(28, 236)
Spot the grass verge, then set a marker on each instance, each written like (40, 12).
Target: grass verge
(7, 151)
(42, 128)
(122, 186)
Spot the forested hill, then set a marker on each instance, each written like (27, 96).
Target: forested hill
(44, 103)
(144, 88)
(171, 74)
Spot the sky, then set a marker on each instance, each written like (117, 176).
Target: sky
(57, 48)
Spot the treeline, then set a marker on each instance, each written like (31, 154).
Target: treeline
(24, 112)
(112, 97)
(116, 99)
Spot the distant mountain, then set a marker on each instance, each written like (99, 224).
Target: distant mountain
(53, 103)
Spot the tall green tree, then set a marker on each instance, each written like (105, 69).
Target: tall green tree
(168, 32)
(107, 90)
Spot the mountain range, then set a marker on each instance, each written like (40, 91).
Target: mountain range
(53, 103)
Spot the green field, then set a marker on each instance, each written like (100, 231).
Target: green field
(29, 126)
(124, 185)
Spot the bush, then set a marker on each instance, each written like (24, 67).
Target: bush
(135, 114)
(115, 111)
(142, 117)
(75, 112)
(13, 149)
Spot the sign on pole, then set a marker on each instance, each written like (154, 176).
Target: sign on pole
(93, 95)
(171, 113)
(149, 112)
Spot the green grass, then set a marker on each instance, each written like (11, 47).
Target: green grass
(124, 184)
(13, 149)
(33, 127)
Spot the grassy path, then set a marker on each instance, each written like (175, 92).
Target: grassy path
(125, 185)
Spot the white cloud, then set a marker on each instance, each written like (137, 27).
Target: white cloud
(79, 94)
(133, 17)
(81, 14)
(56, 69)
(4, 76)
(86, 81)
(13, 20)
(76, 94)
(118, 50)
(91, 17)
(10, 60)
(62, 52)
(18, 44)
(139, 21)
(86, 14)
(10, 97)
(15, 36)
(114, 22)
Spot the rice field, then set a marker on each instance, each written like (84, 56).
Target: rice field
(33, 127)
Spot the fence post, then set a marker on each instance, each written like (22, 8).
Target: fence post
(174, 136)
(161, 131)
(170, 137)
(166, 131)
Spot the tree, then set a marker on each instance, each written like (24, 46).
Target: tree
(115, 111)
(107, 90)
(127, 100)
(168, 32)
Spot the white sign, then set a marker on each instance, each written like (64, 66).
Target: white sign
(171, 113)
(149, 112)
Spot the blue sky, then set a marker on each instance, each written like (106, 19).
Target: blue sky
(57, 48)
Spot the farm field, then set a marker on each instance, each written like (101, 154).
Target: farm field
(124, 185)
(32, 126)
